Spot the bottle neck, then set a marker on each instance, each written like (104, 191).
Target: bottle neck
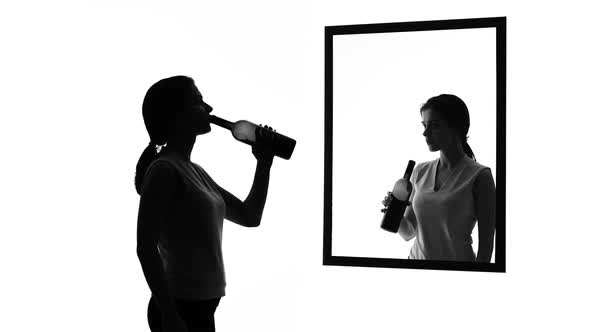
(409, 170)
(221, 122)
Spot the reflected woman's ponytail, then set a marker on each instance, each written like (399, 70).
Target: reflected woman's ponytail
(455, 112)
(160, 103)
(467, 149)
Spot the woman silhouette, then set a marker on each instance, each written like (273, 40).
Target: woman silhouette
(181, 210)
(449, 193)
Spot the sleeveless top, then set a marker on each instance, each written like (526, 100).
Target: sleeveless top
(446, 217)
(190, 240)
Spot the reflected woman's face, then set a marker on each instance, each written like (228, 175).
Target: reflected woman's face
(437, 132)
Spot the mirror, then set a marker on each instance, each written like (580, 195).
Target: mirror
(377, 78)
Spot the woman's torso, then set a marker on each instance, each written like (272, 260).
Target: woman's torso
(190, 240)
(445, 217)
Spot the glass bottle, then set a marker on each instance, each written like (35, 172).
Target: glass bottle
(249, 133)
(400, 197)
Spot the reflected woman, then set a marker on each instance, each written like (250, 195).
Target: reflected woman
(181, 210)
(451, 193)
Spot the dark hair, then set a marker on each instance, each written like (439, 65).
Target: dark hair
(454, 111)
(161, 101)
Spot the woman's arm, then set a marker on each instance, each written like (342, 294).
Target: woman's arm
(249, 212)
(156, 195)
(484, 192)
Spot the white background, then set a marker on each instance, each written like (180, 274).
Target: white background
(380, 82)
(73, 75)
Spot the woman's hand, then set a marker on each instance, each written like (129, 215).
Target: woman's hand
(263, 152)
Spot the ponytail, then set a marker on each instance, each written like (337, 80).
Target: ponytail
(149, 154)
(467, 149)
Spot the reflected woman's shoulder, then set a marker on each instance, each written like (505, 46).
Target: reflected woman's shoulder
(477, 165)
(421, 168)
(480, 172)
(425, 164)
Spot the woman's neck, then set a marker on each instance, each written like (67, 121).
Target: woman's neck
(181, 148)
(450, 157)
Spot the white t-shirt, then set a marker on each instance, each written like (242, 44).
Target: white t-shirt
(190, 241)
(446, 217)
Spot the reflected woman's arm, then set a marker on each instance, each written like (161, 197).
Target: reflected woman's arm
(407, 227)
(484, 192)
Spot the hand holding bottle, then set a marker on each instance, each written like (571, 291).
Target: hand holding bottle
(264, 152)
(258, 136)
(401, 191)
(397, 200)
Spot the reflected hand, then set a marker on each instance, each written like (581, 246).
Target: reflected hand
(403, 189)
(387, 200)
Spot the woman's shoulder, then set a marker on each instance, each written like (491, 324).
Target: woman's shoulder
(202, 171)
(197, 166)
(161, 161)
(160, 168)
(160, 174)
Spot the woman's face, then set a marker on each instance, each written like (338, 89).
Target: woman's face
(438, 134)
(194, 116)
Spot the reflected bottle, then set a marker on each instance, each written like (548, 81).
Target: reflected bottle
(249, 133)
(400, 197)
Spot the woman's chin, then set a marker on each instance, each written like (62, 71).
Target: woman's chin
(203, 131)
